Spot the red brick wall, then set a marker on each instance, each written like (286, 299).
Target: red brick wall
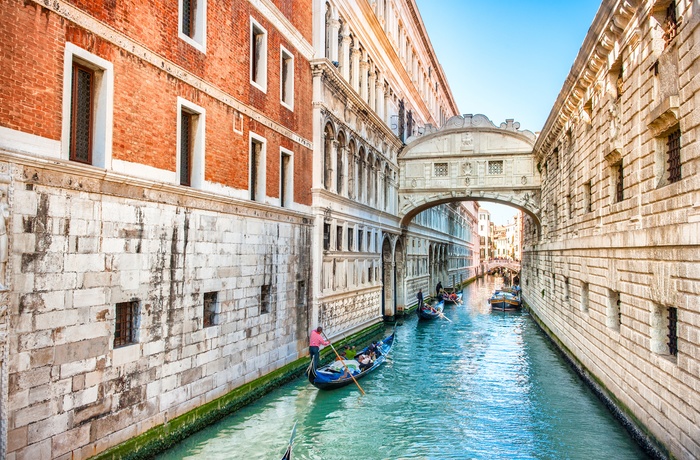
(145, 97)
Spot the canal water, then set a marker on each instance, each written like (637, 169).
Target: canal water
(487, 385)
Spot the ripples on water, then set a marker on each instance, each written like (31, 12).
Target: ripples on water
(488, 385)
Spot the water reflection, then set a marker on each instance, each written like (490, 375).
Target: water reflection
(487, 385)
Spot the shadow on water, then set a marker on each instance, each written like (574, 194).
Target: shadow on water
(488, 385)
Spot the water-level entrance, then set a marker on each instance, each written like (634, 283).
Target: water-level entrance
(486, 385)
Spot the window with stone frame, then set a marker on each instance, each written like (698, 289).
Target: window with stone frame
(286, 178)
(614, 312)
(186, 123)
(619, 176)
(673, 145)
(193, 23)
(326, 236)
(664, 330)
(584, 297)
(258, 55)
(210, 309)
(360, 240)
(339, 238)
(670, 23)
(351, 234)
(257, 188)
(287, 78)
(588, 196)
(495, 167)
(125, 321)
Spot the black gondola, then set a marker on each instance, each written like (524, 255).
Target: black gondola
(428, 311)
(335, 375)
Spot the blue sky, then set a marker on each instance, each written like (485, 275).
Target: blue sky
(507, 58)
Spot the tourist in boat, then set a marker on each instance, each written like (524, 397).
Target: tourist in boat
(315, 342)
(365, 361)
(350, 352)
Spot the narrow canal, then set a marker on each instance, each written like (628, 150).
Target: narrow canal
(485, 386)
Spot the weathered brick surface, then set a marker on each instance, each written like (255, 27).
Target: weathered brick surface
(643, 247)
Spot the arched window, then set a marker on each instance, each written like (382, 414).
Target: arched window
(352, 161)
(340, 165)
(387, 181)
(327, 149)
(361, 194)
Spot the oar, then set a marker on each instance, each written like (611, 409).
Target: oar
(442, 315)
(344, 365)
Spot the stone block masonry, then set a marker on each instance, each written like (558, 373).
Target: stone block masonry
(77, 388)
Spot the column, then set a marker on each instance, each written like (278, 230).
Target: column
(335, 26)
(344, 58)
(356, 67)
(334, 166)
(371, 86)
(364, 66)
(379, 96)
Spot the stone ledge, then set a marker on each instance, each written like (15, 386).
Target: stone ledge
(664, 115)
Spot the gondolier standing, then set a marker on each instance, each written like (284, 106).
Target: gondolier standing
(438, 288)
(315, 342)
(419, 296)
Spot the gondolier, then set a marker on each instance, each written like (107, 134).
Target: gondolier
(315, 342)
(419, 296)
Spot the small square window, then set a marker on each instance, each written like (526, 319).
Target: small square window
(210, 309)
(495, 167)
(126, 316)
(440, 169)
(265, 299)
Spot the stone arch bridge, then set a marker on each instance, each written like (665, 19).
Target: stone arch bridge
(469, 158)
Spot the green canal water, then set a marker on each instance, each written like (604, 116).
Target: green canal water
(485, 386)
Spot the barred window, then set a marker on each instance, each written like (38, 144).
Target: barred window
(440, 169)
(673, 331)
(185, 147)
(81, 114)
(209, 308)
(670, 25)
(189, 7)
(125, 323)
(619, 184)
(674, 156)
(495, 167)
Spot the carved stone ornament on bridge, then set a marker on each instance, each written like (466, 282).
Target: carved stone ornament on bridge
(467, 181)
(467, 168)
(523, 180)
(467, 141)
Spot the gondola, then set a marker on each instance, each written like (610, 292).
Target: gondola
(334, 375)
(288, 452)
(451, 297)
(430, 311)
(505, 299)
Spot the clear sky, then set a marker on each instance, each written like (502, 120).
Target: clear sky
(507, 58)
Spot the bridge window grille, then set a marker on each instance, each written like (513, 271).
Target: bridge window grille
(674, 156)
(440, 169)
(673, 331)
(495, 167)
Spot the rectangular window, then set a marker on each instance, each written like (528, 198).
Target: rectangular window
(81, 114)
(185, 147)
(351, 234)
(614, 313)
(193, 23)
(674, 156)
(286, 179)
(588, 196)
(570, 205)
(265, 299)
(301, 293)
(209, 309)
(326, 236)
(672, 331)
(360, 240)
(125, 323)
(339, 238)
(190, 143)
(584, 297)
(287, 79)
(619, 184)
(495, 167)
(370, 270)
(257, 168)
(88, 98)
(258, 56)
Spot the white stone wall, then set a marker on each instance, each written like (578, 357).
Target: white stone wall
(601, 279)
(81, 243)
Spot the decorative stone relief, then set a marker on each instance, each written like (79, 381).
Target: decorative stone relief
(467, 141)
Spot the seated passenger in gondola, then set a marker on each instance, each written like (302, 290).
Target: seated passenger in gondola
(365, 361)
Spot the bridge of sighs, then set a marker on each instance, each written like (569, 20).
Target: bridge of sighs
(469, 158)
